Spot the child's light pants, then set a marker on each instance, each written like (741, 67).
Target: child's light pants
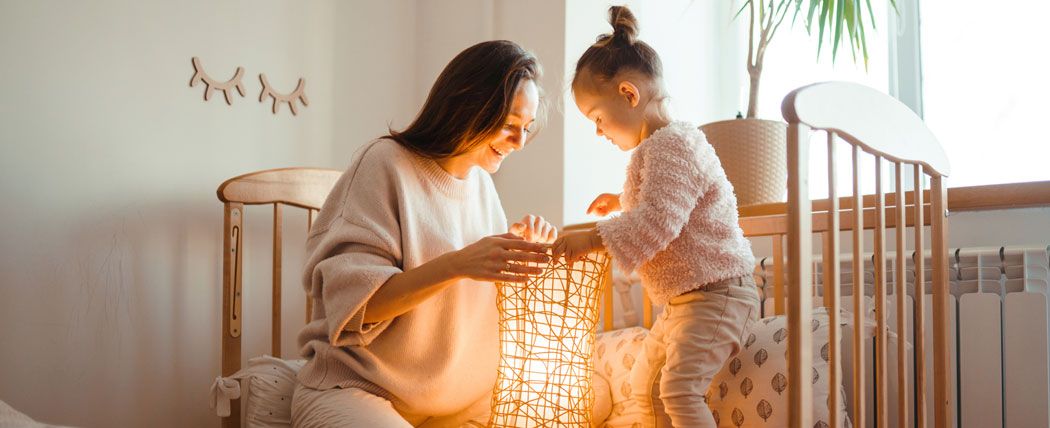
(690, 341)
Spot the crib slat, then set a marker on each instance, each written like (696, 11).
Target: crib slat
(275, 326)
(800, 295)
(831, 292)
(607, 303)
(647, 310)
(825, 270)
(902, 350)
(778, 275)
(309, 300)
(942, 406)
(859, 387)
(920, 313)
(882, 407)
(233, 222)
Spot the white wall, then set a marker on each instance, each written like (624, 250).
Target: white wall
(694, 41)
(109, 245)
(534, 181)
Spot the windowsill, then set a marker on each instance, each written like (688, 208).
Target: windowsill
(974, 198)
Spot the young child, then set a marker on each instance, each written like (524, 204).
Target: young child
(679, 226)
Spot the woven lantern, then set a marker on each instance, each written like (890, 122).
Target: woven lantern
(547, 332)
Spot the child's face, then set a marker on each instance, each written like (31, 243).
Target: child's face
(512, 136)
(615, 116)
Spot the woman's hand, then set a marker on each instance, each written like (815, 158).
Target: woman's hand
(535, 229)
(500, 258)
(575, 245)
(605, 204)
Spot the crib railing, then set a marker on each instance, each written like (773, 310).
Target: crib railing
(304, 188)
(998, 318)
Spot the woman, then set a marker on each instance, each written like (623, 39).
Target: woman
(403, 254)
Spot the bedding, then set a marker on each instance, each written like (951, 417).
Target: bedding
(272, 380)
(11, 418)
(268, 402)
(751, 389)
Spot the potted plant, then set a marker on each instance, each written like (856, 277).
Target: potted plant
(752, 150)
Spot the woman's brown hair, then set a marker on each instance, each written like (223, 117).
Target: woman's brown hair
(621, 49)
(470, 100)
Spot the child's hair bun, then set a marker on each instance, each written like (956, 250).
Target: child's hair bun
(625, 26)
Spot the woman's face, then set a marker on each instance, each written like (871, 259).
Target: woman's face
(515, 131)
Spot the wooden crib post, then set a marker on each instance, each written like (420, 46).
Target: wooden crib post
(859, 387)
(800, 294)
(942, 406)
(902, 332)
(831, 291)
(233, 221)
(882, 407)
(920, 304)
(275, 312)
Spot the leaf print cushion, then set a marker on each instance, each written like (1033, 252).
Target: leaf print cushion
(751, 389)
(615, 353)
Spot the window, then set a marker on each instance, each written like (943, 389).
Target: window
(792, 61)
(983, 91)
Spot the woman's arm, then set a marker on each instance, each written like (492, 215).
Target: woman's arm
(493, 258)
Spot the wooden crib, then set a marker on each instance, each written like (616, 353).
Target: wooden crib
(868, 121)
(304, 188)
(873, 123)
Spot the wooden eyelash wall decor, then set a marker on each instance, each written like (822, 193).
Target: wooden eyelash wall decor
(279, 98)
(210, 84)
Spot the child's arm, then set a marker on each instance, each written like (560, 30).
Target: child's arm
(605, 204)
(575, 245)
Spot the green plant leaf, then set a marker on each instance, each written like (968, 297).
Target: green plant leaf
(798, 8)
(838, 29)
(809, 18)
(864, 48)
(871, 13)
(747, 2)
(851, 18)
(825, 12)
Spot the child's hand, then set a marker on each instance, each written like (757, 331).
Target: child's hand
(575, 245)
(534, 229)
(605, 204)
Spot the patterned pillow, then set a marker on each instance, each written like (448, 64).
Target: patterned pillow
(751, 389)
(269, 395)
(615, 354)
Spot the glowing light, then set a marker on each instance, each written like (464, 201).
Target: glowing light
(547, 332)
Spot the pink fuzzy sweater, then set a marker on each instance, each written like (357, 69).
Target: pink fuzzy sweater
(679, 226)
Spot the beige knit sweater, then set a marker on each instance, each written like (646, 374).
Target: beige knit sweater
(679, 226)
(392, 211)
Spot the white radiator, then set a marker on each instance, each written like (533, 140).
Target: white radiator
(999, 318)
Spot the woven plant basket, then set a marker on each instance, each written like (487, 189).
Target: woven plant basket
(754, 155)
